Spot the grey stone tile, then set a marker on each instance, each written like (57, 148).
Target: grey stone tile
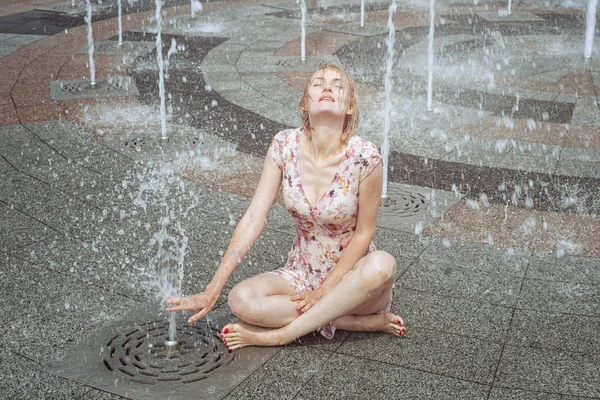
(19, 230)
(57, 311)
(429, 350)
(95, 394)
(399, 243)
(30, 154)
(570, 167)
(545, 164)
(76, 180)
(49, 130)
(347, 377)
(283, 375)
(107, 162)
(565, 269)
(448, 279)
(554, 331)
(563, 297)
(446, 314)
(510, 394)
(5, 166)
(24, 379)
(549, 371)
(477, 257)
(586, 111)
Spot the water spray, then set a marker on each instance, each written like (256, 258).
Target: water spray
(120, 24)
(430, 55)
(385, 147)
(303, 37)
(88, 19)
(161, 72)
(362, 13)
(590, 29)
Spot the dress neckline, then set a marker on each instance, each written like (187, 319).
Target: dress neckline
(297, 164)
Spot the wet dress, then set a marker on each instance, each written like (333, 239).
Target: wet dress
(324, 228)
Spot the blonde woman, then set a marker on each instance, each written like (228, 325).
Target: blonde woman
(333, 278)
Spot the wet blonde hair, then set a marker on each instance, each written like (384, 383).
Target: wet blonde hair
(351, 121)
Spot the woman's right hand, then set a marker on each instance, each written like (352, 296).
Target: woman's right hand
(202, 303)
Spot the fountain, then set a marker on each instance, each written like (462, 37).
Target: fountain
(362, 13)
(590, 28)
(161, 73)
(90, 37)
(120, 24)
(430, 55)
(303, 36)
(385, 147)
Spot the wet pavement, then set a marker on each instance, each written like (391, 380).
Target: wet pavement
(495, 229)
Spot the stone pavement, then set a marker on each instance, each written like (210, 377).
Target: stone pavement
(496, 226)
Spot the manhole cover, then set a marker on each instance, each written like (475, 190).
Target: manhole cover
(152, 143)
(403, 203)
(129, 47)
(140, 354)
(294, 64)
(129, 358)
(76, 89)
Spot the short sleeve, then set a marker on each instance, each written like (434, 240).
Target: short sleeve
(277, 148)
(369, 159)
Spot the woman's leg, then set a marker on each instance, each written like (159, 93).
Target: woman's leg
(264, 300)
(365, 290)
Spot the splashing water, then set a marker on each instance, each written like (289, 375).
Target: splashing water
(303, 37)
(161, 74)
(90, 37)
(196, 7)
(385, 147)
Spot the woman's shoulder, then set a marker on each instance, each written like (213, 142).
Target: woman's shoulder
(363, 147)
(286, 135)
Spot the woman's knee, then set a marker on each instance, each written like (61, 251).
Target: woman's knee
(241, 298)
(379, 269)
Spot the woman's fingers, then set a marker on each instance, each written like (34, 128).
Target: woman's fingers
(196, 317)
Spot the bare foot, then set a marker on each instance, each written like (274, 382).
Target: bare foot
(386, 322)
(238, 335)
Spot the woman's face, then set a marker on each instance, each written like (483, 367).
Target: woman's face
(327, 95)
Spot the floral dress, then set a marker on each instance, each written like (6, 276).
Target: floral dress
(324, 228)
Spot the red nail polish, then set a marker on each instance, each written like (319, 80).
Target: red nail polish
(221, 335)
(226, 330)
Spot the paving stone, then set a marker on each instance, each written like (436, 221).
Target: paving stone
(554, 331)
(565, 297)
(433, 351)
(446, 314)
(509, 394)
(356, 378)
(448, 279)
(25, 379)
(56, 312)
(297, 364)
(549, 371)
(19, 230)
(565, 269)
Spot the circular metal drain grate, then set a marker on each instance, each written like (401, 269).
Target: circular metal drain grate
(403, 204)
(139, 143)
(105, 86)
(140, 354)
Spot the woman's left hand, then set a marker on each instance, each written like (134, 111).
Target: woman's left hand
(305, 300)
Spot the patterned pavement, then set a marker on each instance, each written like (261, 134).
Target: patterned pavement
(496, 231)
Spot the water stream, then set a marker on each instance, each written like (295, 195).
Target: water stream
(161, 72)
(590, 28)
(90, 37)
(385, 147)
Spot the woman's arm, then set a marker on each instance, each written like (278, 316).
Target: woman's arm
(369, 194)
(247, 231)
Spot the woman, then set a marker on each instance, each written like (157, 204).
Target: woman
(333, 277)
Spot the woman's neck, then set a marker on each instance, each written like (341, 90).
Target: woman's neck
(326, 141)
